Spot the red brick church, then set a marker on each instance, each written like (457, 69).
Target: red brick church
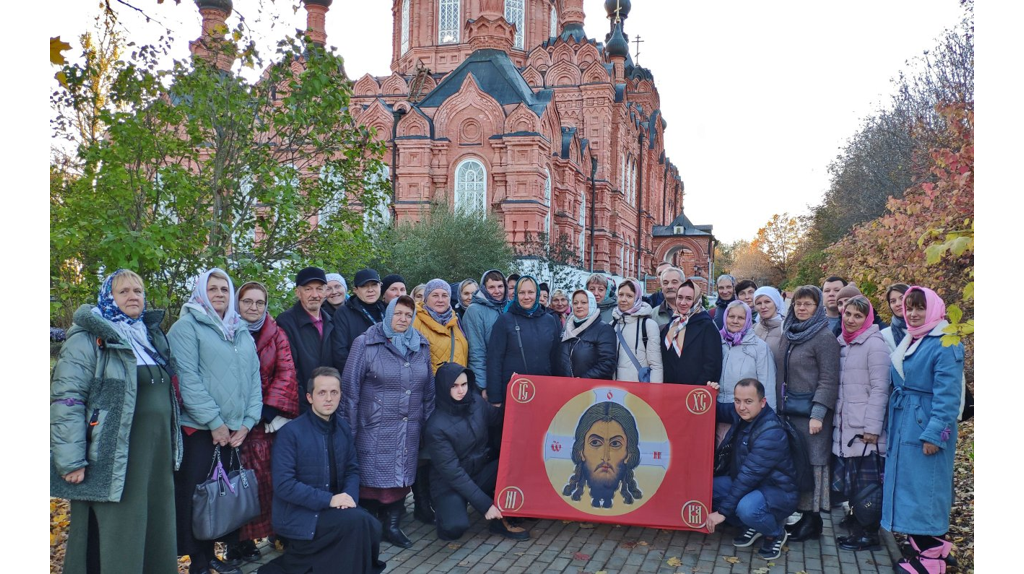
(508, 108)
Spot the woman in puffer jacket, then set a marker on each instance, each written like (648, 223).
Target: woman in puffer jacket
(114, 435)
(587, 349)
(859, 426)
(744, 356)
(633, 323)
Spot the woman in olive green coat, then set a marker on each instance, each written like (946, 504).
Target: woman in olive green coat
(111, 396)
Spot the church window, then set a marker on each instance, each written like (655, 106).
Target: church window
(547, 203)
(378, 216)
(471, 188)
(405, 26)
(554, 21)
(514, 15)
(583, 227)
(449, 21)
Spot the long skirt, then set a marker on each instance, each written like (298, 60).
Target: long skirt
(255, 453)
(818, 499)
(137, 533)
(344, 541)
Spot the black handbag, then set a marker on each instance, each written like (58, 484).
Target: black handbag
(224, 501)
(794, 404)
(866, 503)
(723, 456)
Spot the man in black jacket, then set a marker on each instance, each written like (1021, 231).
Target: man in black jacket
(362, 310)
(310, 328)
(760, 489)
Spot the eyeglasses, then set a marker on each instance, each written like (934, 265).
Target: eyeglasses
(251, 303)
(804, 304)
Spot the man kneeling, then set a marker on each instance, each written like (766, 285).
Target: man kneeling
(759, 491)
(316, 488)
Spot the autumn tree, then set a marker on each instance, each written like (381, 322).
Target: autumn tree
(778, 240)
(750, 262)
(194, 167)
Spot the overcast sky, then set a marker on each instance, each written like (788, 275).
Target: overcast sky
(759, 96)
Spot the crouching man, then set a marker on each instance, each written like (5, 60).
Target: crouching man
(316, 488)
(759, 491)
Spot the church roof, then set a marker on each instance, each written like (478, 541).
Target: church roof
(688, 228)
(497, 76)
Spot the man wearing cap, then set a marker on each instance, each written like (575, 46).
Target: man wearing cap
(310, 328)
(392, 287)
(361, 310)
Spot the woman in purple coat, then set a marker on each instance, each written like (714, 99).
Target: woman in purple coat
(388, 394)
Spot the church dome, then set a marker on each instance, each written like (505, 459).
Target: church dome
(324, 3)
(622, 5)
(223, 5)
(617, 45)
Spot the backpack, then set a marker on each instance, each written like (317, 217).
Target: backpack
(803, 474)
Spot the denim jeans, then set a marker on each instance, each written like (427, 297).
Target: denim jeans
(751, 512)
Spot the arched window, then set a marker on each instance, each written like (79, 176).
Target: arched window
(380, 215)
(448, 22)
(622, 176)
(547, 203)
(471, 188)
(632, 183)
(405, 26)
(514, 15)
(554, 22)
(583, 227)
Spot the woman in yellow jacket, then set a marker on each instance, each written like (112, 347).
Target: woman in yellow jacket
(437, 321)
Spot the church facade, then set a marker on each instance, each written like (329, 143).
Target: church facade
(507, 108)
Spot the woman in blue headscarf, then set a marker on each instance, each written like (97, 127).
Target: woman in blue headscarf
(387, 393)
(587, 350)
(117, 469)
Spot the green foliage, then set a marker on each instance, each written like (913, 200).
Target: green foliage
(448, 244)
(194, 168)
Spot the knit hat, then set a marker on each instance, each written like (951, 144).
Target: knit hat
(390, 280)
(850, 290)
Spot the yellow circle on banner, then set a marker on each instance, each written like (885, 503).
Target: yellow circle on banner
(589, 467)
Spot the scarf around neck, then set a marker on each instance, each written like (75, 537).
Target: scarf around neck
(899, 329)
(798, 331)
(200, 302)
(515, 300)
(572, 328)
(636, 302)
(406, 342)
(733, 339)
(679, 322)
(133, 330)
(499, 303)
(934, 313)
(253, 327)
(433, 285)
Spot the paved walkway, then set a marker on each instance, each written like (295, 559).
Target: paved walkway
(586, 548)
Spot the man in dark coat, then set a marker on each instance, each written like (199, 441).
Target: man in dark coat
(361, 310)
(456, 437)
(310, 329)
(760, 490)
(316, 490)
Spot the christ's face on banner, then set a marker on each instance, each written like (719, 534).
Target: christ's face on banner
(604, 456)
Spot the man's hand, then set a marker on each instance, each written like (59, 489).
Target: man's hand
(77, 476)
(342, 500)
(497, 406)
(238, 436)
(869, 438)
(493, 513)
(815, 426)
(713, 385)
(714, 519)
(221, 435)
(929, 449)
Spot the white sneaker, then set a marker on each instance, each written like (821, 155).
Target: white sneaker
(794, 518)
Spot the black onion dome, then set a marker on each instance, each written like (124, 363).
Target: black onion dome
(617, 45)
(324, 3)
(623, 5)
(223, 5)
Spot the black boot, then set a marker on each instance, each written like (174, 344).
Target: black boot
(392, 531)
(860, 538)
(808, 528)
(422, 509)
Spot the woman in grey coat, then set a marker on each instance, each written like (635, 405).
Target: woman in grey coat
(744, 355)
(807, 384)
(860, 411)
(387, 393)
(219, 375)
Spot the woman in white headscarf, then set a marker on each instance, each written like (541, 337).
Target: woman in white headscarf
(219, 374)
(337, 292)
(769, 307)
(587, 350)
(637, 335)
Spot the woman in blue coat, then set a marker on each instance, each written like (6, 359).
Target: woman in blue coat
(923, 409)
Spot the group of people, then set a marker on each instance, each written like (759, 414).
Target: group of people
(352, 398)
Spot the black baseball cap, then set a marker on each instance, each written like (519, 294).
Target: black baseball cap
(364, 276)
(310, 274)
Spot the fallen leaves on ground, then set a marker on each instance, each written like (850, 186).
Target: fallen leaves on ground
(454, 546)
(759, 571)
(580, 556)
(731, 559)
(60, 519)
(674, 561)
(586, 525)
(961, 518)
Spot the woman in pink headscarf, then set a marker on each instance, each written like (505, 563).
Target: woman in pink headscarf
(927, 395)
(858, 430)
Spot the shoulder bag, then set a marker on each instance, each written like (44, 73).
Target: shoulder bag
(224, 501)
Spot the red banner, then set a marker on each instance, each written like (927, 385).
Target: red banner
(607, 451)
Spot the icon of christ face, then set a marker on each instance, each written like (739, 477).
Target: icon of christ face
(605, 452)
